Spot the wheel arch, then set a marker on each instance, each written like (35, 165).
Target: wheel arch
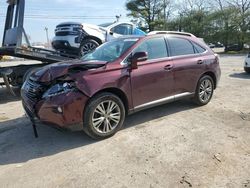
(99, 41)
(212, 75)
(118, 92)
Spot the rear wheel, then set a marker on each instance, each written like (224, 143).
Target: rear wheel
(104, 116)
(204, 90)
(87, 46)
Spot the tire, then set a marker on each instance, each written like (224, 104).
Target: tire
(100, 125)
(204, 90)
(88, 45)
(247, 69)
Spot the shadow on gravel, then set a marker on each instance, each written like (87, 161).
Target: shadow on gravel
(18, 145)
(241, 75)
(6, 96)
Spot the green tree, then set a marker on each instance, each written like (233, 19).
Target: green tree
(242, 12)
(148, 11)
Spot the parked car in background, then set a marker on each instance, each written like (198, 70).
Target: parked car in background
(211, 45)
(233, 47)
(121, 77)
(219, 45)
(78, 38)
(247, 63)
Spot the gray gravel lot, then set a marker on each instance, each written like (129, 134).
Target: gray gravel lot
(174, 145)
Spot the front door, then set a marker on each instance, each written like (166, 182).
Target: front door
(153, 81)
(119, 30)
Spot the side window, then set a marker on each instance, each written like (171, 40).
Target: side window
(198, 48)
(155, 47)
(179, 46)
(123, 29)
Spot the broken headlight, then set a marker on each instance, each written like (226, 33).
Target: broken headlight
(59, 89)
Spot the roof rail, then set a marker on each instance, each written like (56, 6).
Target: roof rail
(170, 32)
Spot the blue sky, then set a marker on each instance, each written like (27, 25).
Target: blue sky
(49, 13)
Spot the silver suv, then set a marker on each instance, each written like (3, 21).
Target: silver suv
(77, 38)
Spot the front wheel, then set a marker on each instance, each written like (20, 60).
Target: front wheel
(204, 90)
(104, 116)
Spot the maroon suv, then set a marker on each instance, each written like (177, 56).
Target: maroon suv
(119, 78)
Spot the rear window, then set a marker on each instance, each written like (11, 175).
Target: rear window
(105, 24)
(179, 46)
(198, 48)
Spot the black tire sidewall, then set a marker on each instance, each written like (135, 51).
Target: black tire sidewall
(85, 41)
(197, 97)
(247, 69)
(91, 106)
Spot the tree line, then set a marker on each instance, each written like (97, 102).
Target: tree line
(225, 21)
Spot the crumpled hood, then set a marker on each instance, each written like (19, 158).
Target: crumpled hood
(53, 71)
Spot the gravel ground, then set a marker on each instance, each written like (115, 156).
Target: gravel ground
(174, 145)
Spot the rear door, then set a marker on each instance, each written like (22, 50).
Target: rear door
(153, 80)
(188, 63)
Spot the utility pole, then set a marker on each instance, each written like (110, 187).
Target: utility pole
(180, 22)
(47, 35)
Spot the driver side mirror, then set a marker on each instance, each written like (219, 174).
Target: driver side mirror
(138, 57)
(111, 32)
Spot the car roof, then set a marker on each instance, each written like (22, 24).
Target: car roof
(164, 33)
(170, 33)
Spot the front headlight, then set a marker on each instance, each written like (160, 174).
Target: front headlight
(59, 89)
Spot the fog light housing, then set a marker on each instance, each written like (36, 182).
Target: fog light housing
(59, 109)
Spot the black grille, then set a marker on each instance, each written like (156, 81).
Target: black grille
(63, 33)
(33, 90)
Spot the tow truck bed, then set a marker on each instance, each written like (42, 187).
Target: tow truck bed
(16, 43)
(38, 54)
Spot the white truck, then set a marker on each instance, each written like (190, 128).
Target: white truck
(78, 38)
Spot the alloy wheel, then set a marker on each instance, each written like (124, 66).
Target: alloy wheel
(206, 90)
(88, 47)
(106, 116)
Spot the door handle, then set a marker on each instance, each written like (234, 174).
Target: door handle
(200, 62)
(168, 67)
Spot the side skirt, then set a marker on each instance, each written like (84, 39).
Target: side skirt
(161, 102)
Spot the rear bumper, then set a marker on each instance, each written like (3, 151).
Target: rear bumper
(63, 110)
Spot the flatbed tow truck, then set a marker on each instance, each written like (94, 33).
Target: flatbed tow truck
(16, 43)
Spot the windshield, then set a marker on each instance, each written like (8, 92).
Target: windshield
(110, 51)
(105, 24)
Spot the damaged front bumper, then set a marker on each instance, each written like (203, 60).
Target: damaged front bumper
(63, 111)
